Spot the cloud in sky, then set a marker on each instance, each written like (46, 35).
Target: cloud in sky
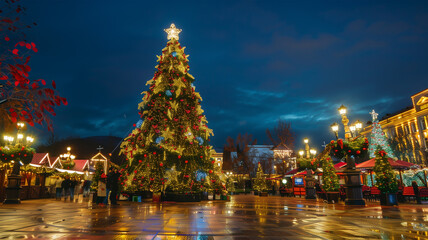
(254, 62)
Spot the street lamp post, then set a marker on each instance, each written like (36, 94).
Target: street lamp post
(14, 179)
(335, 129)
(353, 129)
(306, 141)
(313, 152)
(67, 157)
(301, 152)
(358, 126)
(342, 111)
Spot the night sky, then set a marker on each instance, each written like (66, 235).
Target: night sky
(254, 61)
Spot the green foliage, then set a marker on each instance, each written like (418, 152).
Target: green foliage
(230, 186)
(39, 170)
(305, 163)
(174, 132)
(99, 170)
(385, 176)
(260, 180)
(19, 153)
(357, 147)
(329, 178)
(67, 164)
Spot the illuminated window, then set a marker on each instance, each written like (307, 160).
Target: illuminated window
(423, 123)
(413, 126)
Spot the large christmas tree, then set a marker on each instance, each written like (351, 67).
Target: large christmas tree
(173, 133)
(377, 138)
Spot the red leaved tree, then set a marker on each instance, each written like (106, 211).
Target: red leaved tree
(21, 98)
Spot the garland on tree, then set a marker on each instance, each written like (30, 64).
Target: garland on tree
(173, 130)
(260, 180)
(385, 176)
(329, 176)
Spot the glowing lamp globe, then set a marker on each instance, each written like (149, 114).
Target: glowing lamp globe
(334, 127)
(358, 125)
(342, 110)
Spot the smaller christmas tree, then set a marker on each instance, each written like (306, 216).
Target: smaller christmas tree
(99, 167)
(329, 177)
(260, 181)
(377, 138)
(230, 186)
(385, 176)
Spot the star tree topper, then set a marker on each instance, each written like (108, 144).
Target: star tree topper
(374, 115)
(172, 32)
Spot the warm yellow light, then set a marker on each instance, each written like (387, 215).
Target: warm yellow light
(306, 140)
(72, 157)
(68, 149)
(342, 110)
(352, 128)
(30, 139)
(301, 152)
(172, 32)
(358, 125)
(274, 167)
(20, 136)
(313, 151)
(334, 127)
(20, 124)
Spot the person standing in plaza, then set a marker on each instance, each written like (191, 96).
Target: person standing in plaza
(73, 183)
(416, 191)
(66, 186)
(58, 187)
(113, 185)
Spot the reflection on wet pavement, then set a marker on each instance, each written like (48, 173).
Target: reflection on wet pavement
(244, 217)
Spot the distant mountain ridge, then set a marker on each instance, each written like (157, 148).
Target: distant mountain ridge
(86, 148)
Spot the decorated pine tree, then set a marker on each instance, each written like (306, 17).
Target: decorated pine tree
(378, 138)
(260, 180)
(173, 130)
(329, 176)
(385, 176)
(230, 186)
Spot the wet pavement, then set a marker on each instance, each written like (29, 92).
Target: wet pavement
(244, 217)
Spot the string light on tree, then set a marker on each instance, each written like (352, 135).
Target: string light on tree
(173, 133)
(378, 138)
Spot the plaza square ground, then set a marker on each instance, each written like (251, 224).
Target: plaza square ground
(243, 217)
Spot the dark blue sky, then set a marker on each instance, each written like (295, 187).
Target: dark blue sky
(254, 61)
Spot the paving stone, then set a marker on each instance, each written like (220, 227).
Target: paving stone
(244, 217)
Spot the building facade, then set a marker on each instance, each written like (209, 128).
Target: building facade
(408, 130)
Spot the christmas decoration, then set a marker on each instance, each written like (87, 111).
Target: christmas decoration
(378, 138)
(260, 180)
(355, 147)
(385, 177)
(174, 132)
(329, 177)
(18, 153)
